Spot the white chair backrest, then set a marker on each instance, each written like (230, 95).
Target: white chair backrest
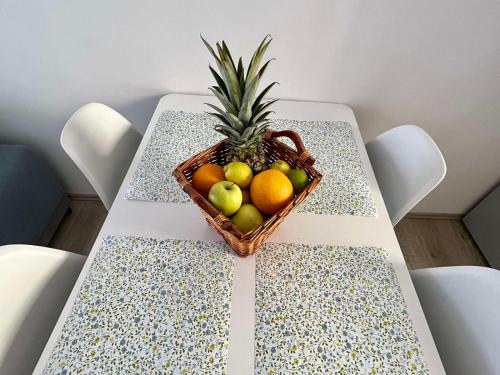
(102, 143)
(461, 305)
(35, 283)
(408, 165)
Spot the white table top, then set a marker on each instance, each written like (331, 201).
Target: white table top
(184, 221)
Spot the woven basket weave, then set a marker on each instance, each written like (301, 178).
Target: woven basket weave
(248, 243)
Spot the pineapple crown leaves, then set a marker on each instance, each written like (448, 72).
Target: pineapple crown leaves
(244, 114)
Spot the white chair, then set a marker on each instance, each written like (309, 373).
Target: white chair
(408, 165)
(462, 307)
(35, 283)
(102, 143)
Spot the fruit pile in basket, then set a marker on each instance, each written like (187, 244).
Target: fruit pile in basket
(245, 198)
(246, 184)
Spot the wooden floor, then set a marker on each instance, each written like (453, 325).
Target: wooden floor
(78, 230)
(425, 242)
(437, 243)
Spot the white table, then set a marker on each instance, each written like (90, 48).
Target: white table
(181, 221)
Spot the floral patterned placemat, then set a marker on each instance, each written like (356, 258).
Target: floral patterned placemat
(330, 309)
(150, 306)
(178, 135)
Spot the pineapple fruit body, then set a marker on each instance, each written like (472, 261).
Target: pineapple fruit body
(254, 157)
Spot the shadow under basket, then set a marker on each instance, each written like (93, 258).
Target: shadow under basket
(248, 243)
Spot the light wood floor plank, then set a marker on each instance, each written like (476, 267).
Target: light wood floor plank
(437, 243)
(78, 230)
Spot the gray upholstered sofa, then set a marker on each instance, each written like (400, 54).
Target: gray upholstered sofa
(32, 201)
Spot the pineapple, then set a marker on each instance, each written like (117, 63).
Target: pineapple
(244, 117)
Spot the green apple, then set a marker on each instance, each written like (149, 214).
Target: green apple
(239, 173)
(226, 196)
(298, 178)
(247, 218)
(282, 166)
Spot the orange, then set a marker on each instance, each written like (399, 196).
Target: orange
(270, 191)
(207, 175)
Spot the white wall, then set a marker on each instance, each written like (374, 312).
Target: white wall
(432, 63)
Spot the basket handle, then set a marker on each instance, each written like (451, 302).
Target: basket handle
(304, 155)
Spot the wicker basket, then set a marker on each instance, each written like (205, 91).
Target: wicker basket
(247, 243)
